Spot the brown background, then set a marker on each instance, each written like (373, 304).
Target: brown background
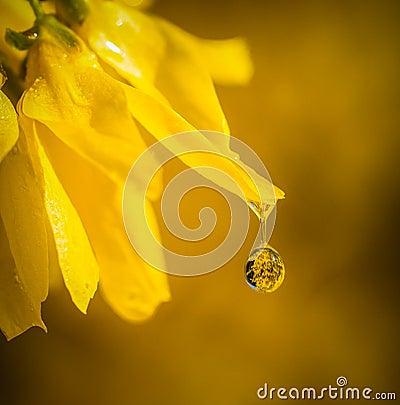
(323, 114)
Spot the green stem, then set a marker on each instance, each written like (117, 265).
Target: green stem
(37, 8)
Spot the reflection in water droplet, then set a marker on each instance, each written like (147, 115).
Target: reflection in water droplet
(264, 269)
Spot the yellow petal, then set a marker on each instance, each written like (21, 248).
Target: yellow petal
(8, 125)
(227, 60)
(161, 122)
(20, 308)
(131, 287)
(23, 215)
(155, 57)
(75, 256)
(143, 287)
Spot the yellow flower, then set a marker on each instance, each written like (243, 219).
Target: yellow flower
(81, 128)
(173, 67)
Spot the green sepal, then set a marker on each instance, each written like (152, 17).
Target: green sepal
(21, 40)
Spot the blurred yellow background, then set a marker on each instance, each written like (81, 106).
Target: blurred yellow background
(323, 114)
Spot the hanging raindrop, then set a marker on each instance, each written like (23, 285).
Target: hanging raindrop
(264, 270)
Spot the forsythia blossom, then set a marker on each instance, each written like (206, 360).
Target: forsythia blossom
(65, 159)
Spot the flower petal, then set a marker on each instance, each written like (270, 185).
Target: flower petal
(8, 126)
(135, 294)
(131, 287)
(227, 60)
(23, 215)
(161, 121)
(20, 309)
(155, 57)
(75, 257)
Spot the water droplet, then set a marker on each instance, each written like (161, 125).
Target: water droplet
(264, 270)
(17, 280)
